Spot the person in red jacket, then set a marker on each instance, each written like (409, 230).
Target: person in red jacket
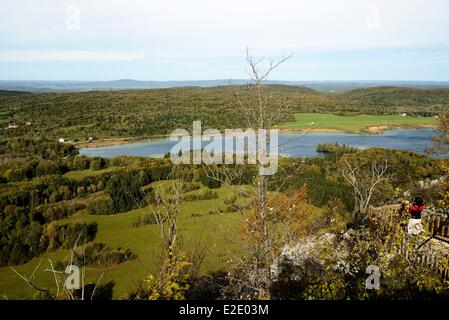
(416, 208)
(415, 226)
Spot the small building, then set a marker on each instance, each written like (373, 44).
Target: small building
(61, 140)
(28, 123)
(11, 126)
(403, 115)
(89, 139)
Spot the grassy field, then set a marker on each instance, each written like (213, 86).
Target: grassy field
(201, 226)
(357, 123)
(81, 174)
(198, 229)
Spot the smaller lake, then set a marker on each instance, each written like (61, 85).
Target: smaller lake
(294, 144)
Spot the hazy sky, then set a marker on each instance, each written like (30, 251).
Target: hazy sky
(206, 39)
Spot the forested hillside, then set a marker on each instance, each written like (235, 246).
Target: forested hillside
(390, 99)
(145, 113)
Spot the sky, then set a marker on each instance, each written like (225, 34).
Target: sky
(207, 39)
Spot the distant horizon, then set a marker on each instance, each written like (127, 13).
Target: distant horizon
(43, 86)
(220, 79)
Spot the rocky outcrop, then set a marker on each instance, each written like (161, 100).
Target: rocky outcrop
(427, 184)
(307, 257)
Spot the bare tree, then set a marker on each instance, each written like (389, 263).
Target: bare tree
(166, 211)
(365, 177)
(261, 112)
(78, 256)
(165, 204)
(441, 139)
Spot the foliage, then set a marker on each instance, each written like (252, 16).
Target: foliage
(102, 206)
(402, 277)
(29, 144)
(77, 116)
(101, 255)
(441, 140)
(125, 191)
(170, 284)
(369, 178)
(201, 195)
(146, 219)
(335, 148)
(442, 198)
(22, 239)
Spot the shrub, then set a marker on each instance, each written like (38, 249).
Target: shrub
(101, 255)
(102, 206)
(98, 164)
(335, 148)
(147, 219)
(229, 200)
(201, 195)
(60, 211)
(209, 182)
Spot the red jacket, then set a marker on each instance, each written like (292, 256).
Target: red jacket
(416, 208)
(415, 211)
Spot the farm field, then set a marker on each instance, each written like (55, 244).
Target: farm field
(356, 123)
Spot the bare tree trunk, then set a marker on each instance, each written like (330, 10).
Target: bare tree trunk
(364, 177)
(260, 113)
(263, 209)
(262, 116)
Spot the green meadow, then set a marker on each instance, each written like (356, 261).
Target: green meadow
(81, 174)
(200, 228)
(354, 123)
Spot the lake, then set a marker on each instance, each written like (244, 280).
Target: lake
(292, 144)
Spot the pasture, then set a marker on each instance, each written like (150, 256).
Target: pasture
(354, 123)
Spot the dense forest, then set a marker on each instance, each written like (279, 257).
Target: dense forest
(146, 113)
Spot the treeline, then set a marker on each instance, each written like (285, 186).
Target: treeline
(99, 255)
(144, 113)
(22, 237)
(29, 207)
(391, 100)
(32, 145)
(125, 192)
(324, 183)
(335, 148)
(43, 185)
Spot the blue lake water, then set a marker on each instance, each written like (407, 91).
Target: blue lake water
(294, 144)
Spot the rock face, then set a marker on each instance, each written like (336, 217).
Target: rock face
(306, 257)
(427, 184)
(435, 246)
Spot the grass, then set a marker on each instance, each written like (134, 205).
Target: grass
(203, 230)
(356, 123)
(81, 174)
(198, 228)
